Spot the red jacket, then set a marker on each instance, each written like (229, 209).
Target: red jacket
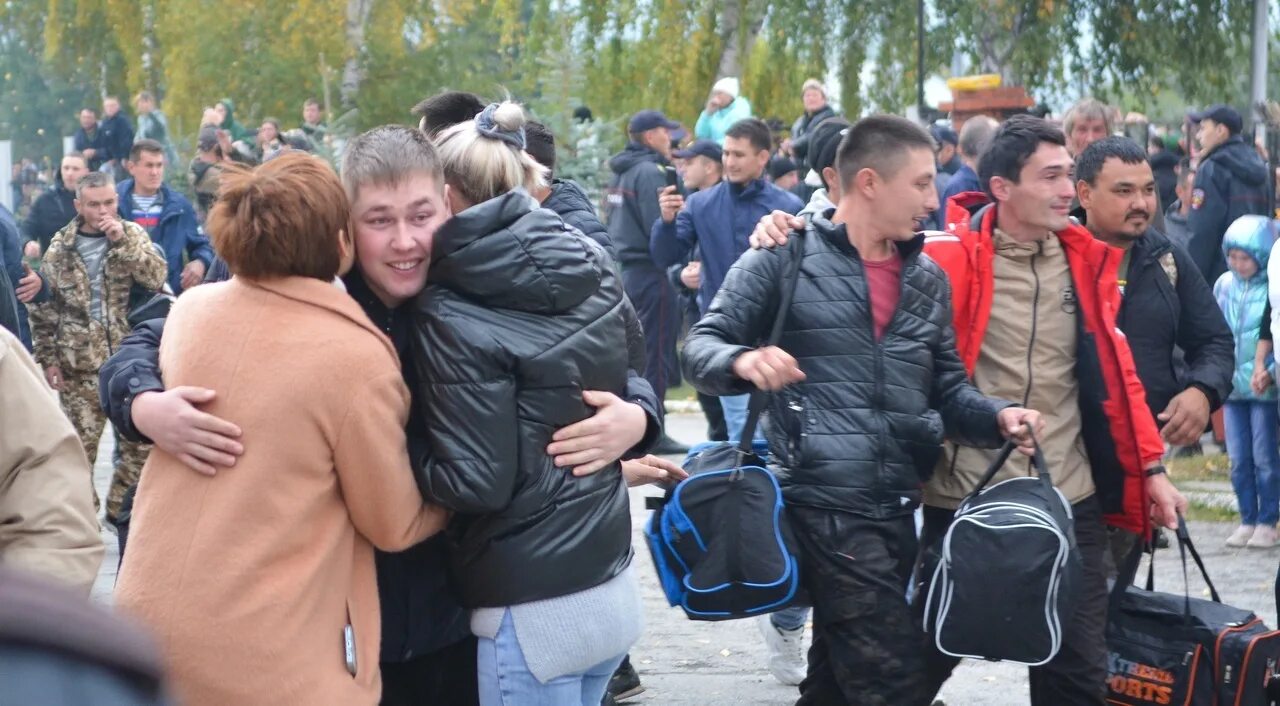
(1119, 432)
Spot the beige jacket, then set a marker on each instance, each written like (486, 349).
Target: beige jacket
(47, 523)
(249, 577)
(1029, 357)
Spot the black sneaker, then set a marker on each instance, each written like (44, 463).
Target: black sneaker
(667, 446)
(624, 683)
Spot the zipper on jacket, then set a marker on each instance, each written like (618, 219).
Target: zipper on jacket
(882, 426)
(1031, 344)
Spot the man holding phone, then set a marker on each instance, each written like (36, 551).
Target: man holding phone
(718, 222)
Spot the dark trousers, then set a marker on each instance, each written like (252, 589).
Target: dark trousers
(1077, 675)
(446, 676)
(866, 639)
(659, 311)
(717, 430)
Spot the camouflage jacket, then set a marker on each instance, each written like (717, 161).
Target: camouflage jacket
(63, 330)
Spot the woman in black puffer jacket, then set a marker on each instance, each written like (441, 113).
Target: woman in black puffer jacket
(520, 315)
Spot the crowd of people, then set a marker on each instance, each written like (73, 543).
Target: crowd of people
(374, 431)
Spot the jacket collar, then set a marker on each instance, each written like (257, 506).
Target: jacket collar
(836, 234)
(325, 295)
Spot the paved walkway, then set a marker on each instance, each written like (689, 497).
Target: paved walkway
(685, 663)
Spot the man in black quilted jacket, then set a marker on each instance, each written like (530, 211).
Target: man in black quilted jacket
(867, 382)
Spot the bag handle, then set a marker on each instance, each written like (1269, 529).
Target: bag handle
(755, 407)
(1037, 462)
(1185, 547)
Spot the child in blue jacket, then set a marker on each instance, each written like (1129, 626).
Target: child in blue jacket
(1251, 418)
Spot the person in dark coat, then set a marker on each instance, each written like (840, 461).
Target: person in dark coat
(1164, 164)
(117, 136)
(866, 382)
(502, 359)
(55, 208)
(640, 171)
(564, 196)
(1167, 306)
(88, 139)
(1231, 181)
(816, 111)
(21, 286)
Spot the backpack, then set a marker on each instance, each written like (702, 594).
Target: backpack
(1005, 583)
(719, 539)
(1166, 648)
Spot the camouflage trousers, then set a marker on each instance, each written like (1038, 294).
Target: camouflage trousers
(80, 402)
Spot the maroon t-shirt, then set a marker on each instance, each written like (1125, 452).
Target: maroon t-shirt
(884, 285)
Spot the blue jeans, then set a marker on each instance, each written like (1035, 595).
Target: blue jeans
(505, 679)
(1255, 462)
(789, 619)
(735, 417)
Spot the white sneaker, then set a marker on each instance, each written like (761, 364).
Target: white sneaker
(1263, 538)
(787, 662)
(1241, 536)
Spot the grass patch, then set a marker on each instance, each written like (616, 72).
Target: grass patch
(684, 392)
(1211, 513)
(1213, 467)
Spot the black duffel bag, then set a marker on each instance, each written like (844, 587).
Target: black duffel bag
(1169, 648)
(1008, 567)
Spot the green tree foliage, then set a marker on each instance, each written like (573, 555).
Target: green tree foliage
(615, 56)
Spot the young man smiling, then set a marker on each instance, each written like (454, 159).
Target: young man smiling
(866, 380)
(398, 202)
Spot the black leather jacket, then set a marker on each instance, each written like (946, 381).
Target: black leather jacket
(861, 433)
(521, 314)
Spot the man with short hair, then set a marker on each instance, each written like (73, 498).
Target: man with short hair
(166, 215)
(717, 222)
(640, 172)
(1165, 304)
(88, 139)
(974, 139)
(56, 207)
(445, 109)
(1231, 181)
(867, 379)
(1034, 301)
(313, 125)
(117, 136)
(153, 125)
(92, 266)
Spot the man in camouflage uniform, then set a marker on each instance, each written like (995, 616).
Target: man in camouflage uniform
(91, 266)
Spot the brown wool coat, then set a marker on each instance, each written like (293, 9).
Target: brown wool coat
(248, 578)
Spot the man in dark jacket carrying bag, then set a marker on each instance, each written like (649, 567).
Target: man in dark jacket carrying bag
(872, 382)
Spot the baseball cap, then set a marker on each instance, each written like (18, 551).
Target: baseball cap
(823, 147)
(702, 148)
(942, 133)
(1221, 114)
(780, 166)
(647, 120)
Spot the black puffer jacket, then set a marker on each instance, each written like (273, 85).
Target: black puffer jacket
(1230, 182)
(863, 430)
(520, 315)
(570, 202)
(632, 202)
(1160, 317)
(51, 212)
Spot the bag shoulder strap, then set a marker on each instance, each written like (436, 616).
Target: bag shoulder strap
(795, 247)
